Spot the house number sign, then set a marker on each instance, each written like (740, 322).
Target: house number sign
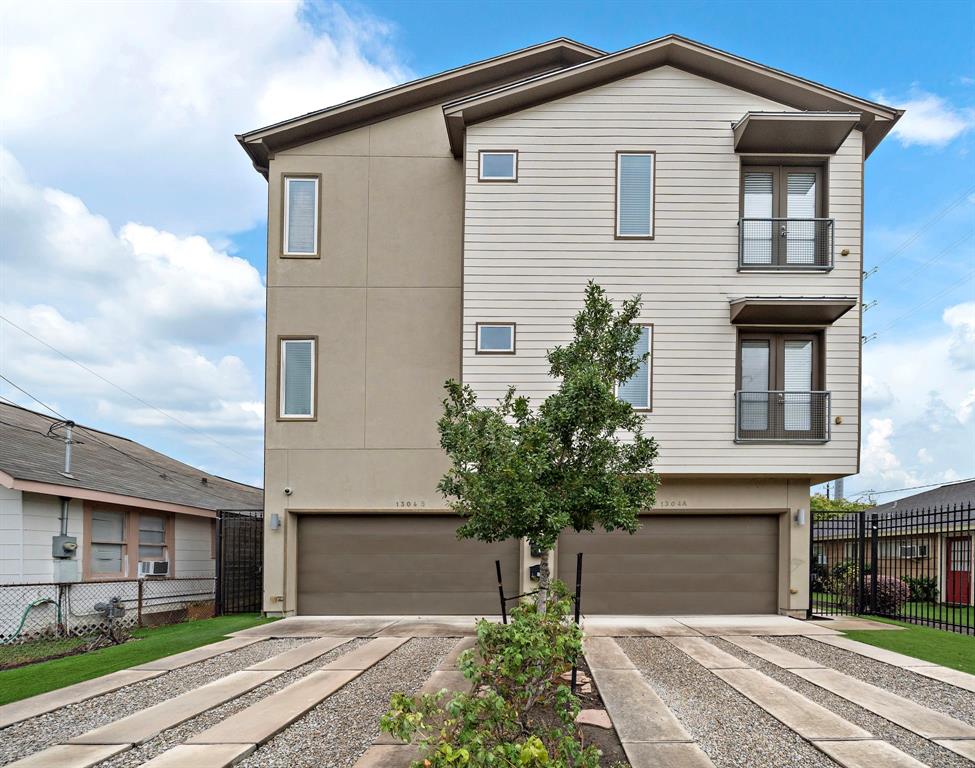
(410, 504)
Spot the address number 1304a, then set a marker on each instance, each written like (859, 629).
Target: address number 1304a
(410, 504)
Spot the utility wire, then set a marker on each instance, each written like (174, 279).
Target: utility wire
(122, 389)
(953, 287)
(909, 488)
(161, 471)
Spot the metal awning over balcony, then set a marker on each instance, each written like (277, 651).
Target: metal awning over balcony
(790, 310)
(807, 133)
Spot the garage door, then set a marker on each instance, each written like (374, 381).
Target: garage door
(398, 564)
(676, 566)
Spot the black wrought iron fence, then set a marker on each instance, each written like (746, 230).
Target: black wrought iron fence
(240, 561)
(913, 565)
(46, 620)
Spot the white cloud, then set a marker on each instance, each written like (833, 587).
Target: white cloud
(929, 119)
(134, 106)
(165, 317)
(961, 320)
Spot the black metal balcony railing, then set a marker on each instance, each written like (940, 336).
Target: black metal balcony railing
(785, 244)
(781, 416)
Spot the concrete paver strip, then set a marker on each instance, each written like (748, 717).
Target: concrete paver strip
(319, 626)
(260, 721)
(72, 694)
(301, 655)
(847, 623)
(706, 653)
(450, 679)
(635, 626)
(605, 653)
(200, 756)
(871, 652)
(433, 626)
(667, 755)
(963, 747)
(953, 677)
(751, 625)
(903, 712)
(204, 652)
(805, 717)
(871, 753)
(366, 655)
(638, 713)
(775, 654)
(70, 756)
(452, 659)
(388, 756)
(145, 724)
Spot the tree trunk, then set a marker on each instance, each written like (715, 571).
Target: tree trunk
(544, 578)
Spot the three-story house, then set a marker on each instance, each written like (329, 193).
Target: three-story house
(447, 227)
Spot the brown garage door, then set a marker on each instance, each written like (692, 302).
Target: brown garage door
(677, 566)
(397, 564)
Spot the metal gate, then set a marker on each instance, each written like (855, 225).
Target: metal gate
(240, 561)
(914, 565)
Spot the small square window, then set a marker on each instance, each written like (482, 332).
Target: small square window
(495, 338)
(498, 166)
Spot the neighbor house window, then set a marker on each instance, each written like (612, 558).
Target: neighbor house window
(498, 166)
(637, 391)
(297, 385)
(300, 215)
(495, 338)
(634, 194)
(107, 543)
(152, 537)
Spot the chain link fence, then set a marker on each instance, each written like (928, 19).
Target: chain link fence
(47, 620)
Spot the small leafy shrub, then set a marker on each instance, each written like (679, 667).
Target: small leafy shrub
(819, 575)
(518, 712)
(924, 589)
(892, 593)
(844, 582)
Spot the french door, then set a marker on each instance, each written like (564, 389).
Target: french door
(778, 379)
(780, 206)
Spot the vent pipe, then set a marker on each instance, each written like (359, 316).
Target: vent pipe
(68, 442)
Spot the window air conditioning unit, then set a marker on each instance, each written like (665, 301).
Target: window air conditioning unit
(153, 568)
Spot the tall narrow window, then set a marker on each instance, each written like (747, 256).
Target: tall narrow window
(297, 385)
(107, 550)
(634, 195)
(300, 216)
(152, 537)
(637, 391)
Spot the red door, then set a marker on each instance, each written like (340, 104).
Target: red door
(959, 576)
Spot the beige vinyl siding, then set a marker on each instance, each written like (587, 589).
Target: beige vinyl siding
(530, 247)
(193, 557)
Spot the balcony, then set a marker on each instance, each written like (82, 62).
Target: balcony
(785, 244)
(780, 416)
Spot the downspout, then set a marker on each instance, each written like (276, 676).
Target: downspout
(65, 501)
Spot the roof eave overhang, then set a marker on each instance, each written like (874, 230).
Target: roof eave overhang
(876, 120)
(798, 311)
(260, 144)
(809, 133)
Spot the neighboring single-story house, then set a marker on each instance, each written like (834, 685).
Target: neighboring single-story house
(928, 535)
(119, 505)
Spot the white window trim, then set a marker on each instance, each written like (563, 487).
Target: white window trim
(481, 351)
(281, 373)
(287, 205)
(653, 193)
(514, 165)
(616, 386)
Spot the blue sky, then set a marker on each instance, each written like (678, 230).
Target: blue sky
(117, 147)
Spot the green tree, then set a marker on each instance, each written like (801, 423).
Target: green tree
(579, 460)
(824, 508)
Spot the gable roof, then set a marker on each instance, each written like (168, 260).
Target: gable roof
(875, 120)
(950, 494)
(555, 54)
(109, 464)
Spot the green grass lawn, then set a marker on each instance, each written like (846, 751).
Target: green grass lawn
(949, 649)
(16, 654)
(950, 614)
(154, 643)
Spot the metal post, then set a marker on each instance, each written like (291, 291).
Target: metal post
(218, 567)
(861, 560)
(874, 560)
(578, 602)
(504, 610)
(138, 614)
(812, 564)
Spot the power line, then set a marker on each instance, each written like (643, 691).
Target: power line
(123, 390)
(161, 471)
(909, 488)
(926, 226)
(937, 257)
(923, 304)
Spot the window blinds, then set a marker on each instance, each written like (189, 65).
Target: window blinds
(298, 377)
(636, 391)
(301, 217)
(757, 235)
(798, 362)
(801, 204)
(634, 195)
